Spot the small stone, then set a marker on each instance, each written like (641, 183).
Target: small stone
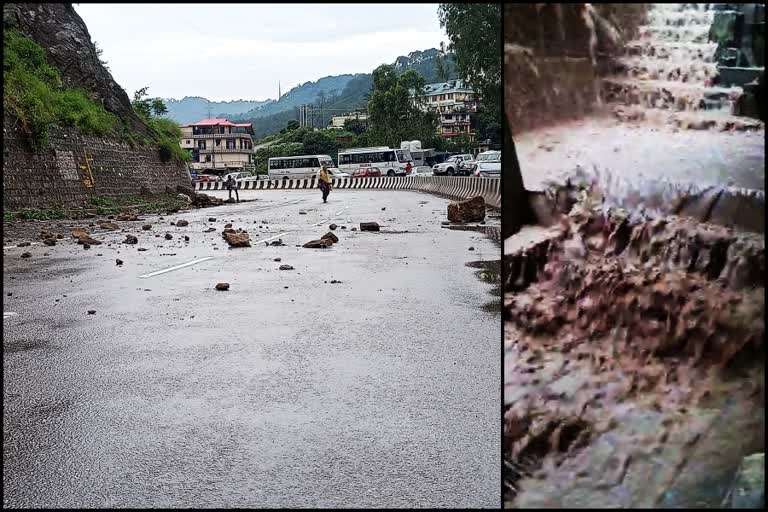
(24, 244)
(332, 227)
(222, 287)
(91, 311)
(118, 262)
(286, 267)
(354, 229)
(186, 238)
(334, 281)
(130, 239)
(86, 246)
(146, 227)
(445, 223)
(213, 219)
(471, 249)
(383, 208)
(227, 226)
(278, 259)
(142, 249)
(168, 236)
(369, 226)
(343, 227)
(26, 255)
(182, 223)
(209, 230)
(302, 213)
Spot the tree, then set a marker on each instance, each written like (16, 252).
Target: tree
(355, 126)
(395, 108)
(474, 34)
(146, 107)
(441, 64)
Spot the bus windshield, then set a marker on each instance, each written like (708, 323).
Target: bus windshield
(403, 155)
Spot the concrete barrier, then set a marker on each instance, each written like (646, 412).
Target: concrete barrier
(454, 187)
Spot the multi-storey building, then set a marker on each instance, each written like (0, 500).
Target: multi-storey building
(219, 145)
(456, 105)
(338, 122)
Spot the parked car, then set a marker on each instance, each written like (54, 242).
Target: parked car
(335, 173)
(237, 175)
(488, 164)
(366, 172)
(253, 178)
(422, 170)
(453, 166)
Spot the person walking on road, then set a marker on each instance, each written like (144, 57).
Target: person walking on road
(232, 185)
(325, 183)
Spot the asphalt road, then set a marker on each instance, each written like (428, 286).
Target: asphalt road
(286, 390)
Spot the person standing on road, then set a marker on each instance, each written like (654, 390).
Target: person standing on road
(325, 182)
(232, 185)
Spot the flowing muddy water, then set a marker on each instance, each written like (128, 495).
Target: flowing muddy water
(634, 353)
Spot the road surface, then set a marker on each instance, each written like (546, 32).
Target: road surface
(285, 391)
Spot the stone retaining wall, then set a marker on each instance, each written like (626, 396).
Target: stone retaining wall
(73, 168)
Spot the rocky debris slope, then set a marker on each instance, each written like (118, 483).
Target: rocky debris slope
(634, 360)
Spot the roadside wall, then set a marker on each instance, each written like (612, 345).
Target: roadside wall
(73, 168)
(454, 187)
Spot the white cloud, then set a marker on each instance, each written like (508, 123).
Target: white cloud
(233, 51)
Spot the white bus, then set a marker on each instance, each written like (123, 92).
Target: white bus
(390, 161)
(300, 166)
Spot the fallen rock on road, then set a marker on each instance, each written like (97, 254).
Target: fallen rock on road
(130, 239)
(471, 210)
(369, 226)
(222, 287)
(318, 244)
(235, 239)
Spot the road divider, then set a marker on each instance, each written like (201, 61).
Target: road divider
(454, 187)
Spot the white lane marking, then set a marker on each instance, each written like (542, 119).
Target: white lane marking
(321, 222)
(187, 264)
(271, 238)
(8, 314)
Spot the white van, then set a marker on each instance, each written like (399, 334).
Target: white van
(301, 166)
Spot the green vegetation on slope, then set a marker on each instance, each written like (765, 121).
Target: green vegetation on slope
(33, 92)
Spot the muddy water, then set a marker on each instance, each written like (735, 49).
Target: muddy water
(629, 384)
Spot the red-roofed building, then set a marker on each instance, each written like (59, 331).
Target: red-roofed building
(219, 145)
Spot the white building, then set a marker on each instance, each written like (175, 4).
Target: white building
(337, 122)
(219, 144)
(456, 105)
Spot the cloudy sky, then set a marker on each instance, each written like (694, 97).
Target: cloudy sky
(240, 51)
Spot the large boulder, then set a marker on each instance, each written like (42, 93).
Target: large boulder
(204, 200)
(471, 210)
(237, 239)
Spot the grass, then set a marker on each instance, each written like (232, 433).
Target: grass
(103, 206)
(33, 91)
(35, 214)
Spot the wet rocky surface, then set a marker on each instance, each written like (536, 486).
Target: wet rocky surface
(292, 388)
(634, 361)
